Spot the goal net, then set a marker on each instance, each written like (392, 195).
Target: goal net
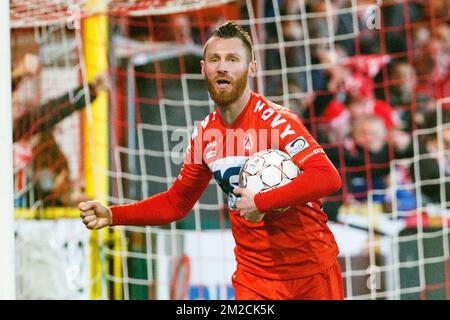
(370, 80)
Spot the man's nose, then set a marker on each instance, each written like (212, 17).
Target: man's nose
(222, 67)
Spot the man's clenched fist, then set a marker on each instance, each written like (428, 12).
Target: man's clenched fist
(95, 215)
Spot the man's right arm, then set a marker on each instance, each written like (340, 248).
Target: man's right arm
(175, 203)
(160, 209)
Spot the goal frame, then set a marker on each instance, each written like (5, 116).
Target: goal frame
(7, 284)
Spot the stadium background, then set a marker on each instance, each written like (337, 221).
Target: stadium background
(128, 144)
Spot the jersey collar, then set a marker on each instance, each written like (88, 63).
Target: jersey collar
(241, 115)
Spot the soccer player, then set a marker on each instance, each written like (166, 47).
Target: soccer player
(289, 255)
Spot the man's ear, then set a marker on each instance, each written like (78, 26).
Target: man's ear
(202, 65)
(252, 68)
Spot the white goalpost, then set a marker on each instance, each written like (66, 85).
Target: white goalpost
(7, 283)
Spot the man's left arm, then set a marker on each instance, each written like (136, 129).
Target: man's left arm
(318, 179)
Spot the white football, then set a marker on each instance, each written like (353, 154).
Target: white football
(267, 170)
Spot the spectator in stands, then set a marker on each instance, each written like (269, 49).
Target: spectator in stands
(318, 32)
(294, 36)
(367, 158)
(440, 9)
(42, 118)
(443, 63)
(51, 174)
(298, 100)
(399, 18)
(25, 67)
(409, 104)
(368, 154)
(356, 99)
(433, 156)
(368, 32)
(36, 152)
(432, 61)
(335, 74)
(294, 49)
(292, 53)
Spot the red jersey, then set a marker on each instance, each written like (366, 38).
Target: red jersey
(288, 245)
(283, 245)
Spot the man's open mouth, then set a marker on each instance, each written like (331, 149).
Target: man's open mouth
(223, 83)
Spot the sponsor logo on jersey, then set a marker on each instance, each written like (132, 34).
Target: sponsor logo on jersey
(297, 145)
(210, 153)
(309, 155)
(226, 172)
(248, 142)
(267, 113)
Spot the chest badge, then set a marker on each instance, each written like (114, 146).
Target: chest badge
(249, 142)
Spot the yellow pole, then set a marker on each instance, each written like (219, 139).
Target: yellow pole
(96, 146)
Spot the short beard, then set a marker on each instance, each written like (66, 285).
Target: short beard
(223, 99)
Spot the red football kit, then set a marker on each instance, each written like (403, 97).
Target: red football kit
(296, 243)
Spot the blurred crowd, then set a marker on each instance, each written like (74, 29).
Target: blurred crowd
(377, 81)
(362, 78)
